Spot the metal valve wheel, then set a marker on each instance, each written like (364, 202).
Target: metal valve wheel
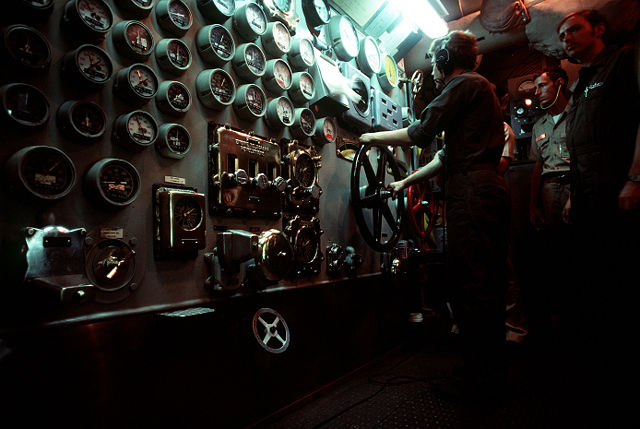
(422, 208)
(271, 330)
(377, 213)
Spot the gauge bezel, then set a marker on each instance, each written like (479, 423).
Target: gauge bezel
(343, 51)
(166, 21)
(241, 106)
(5, 90)
(311, 15)
(296, 158)
(269, 42)
(163, 102)
(270, 81)
(93, 181)
(123, 44)
(42, 64)
(383, 78)
(362, 60)
(71, 67)
(122, 85)
(319, 134)
(296, 93)
(297, 129)
(242, 68)
(27, 9)
(210, 10)
(295, 58)
(123, 137)
(164, 60)
(162, 142)
(135, 9)
(206, 49)
(272, 118)
(207, 94)
(67, 125)
(297, 247)
(71, 15)
(241, 22)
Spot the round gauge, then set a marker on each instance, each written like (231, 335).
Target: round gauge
(90, 64)
(249, 21)
(279, 113)
(304, 123)
(369, 56)
(113, 181)
(188, 213)
(24, 105)
(133, 39)
(136, 8)
(81, 120)
(32, 8)
(136, 130)
(215, 44)
(174, 141)
(306, 244)
(43, 171)
(216, 88)
(325, 130)
(526, 88)
(277, 77)
(388, 78)
(137, 84)
(173, 97)
(304, 169)
(276, 41)
(26, 47)
(316, 12)
(173, 55)
(343, 38)
(111, 265)
(174, 16)
(94, 17)
(217, 10)
(302, 88)
(301, 56)
(250, 101)
(249, 62)
(274, 255)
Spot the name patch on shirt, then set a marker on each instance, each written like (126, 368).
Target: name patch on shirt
(592, 86)
(540, 137)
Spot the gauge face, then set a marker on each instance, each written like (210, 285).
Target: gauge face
(142, 3)
(178, 139)
(27, 46)
(142, 128)
(255, 59)
(94, 64)
(225, 6)
(222, 86)
(391, 70)
(221, 42)
(284, 109)
(304, 170)
(306, 52)
(316, 12)
(369, 56)
(47, 172)
(282, 74)
(306, 85)
(281, 36)
(25, 104)
(88, 119)
(307, 121)
(95, 14)
(177, 54)
(255, 100)
(119, 182)
(306, 245)
(139, 38)
(179, 14)
(321, 8)
(111, 265)
(178, 96)
(143, 81)
(256, 18)
(329, 130)
(347, 44)
(187, 213)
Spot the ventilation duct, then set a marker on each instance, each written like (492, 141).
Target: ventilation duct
(499, 16)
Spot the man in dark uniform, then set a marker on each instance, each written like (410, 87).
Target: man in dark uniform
(468, 111)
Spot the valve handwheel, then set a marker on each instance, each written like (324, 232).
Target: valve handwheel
(422, 208)
(375, 209)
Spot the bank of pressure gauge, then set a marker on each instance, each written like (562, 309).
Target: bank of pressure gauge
(112, 181)
(88, 66)
(301, 56)
(133, 39)
(316, 12)
(136, 84)
(174, 141)
(277, 76)
(24, 105)
(368, 59)
(276, 41)
(81, 120)
(44, 172)
(215, 44)
(249, 21)
(279, 113)
(216, 89)
(174, 16)
(304, 123)
(26, 47)
(173, 97)
(343, 38)
(249, 62)
(250, 102)
(388, 77)
(217, 10)
(325, 130)
(136, 130)
(136, 8)
(90, 17)
(173, 56)
(302, 88)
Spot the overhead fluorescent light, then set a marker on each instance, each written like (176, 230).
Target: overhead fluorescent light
(422, 14)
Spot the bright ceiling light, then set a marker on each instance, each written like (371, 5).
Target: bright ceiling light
(423, 16)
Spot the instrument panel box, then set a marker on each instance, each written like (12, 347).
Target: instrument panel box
(386, 113)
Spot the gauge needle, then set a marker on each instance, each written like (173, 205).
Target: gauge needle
(53, 167)
(114, 270)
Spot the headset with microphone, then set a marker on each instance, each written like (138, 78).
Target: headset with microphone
(443, 61)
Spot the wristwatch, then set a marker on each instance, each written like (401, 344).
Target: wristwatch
(634, 178)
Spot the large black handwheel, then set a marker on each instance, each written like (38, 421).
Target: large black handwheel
(377, 213)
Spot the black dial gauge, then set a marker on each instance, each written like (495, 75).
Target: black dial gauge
(249, 21)
(136, 84)
(304, 169)
(368, 60)
(24, 105)
(88, 65)
(187, 213)
(136, 8)
(325, 130)
(302, 88)
(216, 89)
(276, 41)
(316, 12)
(81, 120)
(31, 9)
(279, 113)
(301, 56)
(26, 47)
(343, 38)
(174, 16)
(133, 39)
(250, 101)
(173, 97)
(44, 172)
(217, 10)
(215, 44)
(173, 55)
(249, 62)
(174, 141)
(136, 130)
(306, 244)
(304, 123)
(113, 181)
(277, 77)
(388, 78)
(92, 17)
(110, 265)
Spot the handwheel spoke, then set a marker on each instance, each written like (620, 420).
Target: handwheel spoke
(368, 170)
(377, 224)
(381, 167)
(386, 211)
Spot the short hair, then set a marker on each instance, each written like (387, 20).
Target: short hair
(554, 74)
(436, 45)
(463, 48)
(592, 16)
